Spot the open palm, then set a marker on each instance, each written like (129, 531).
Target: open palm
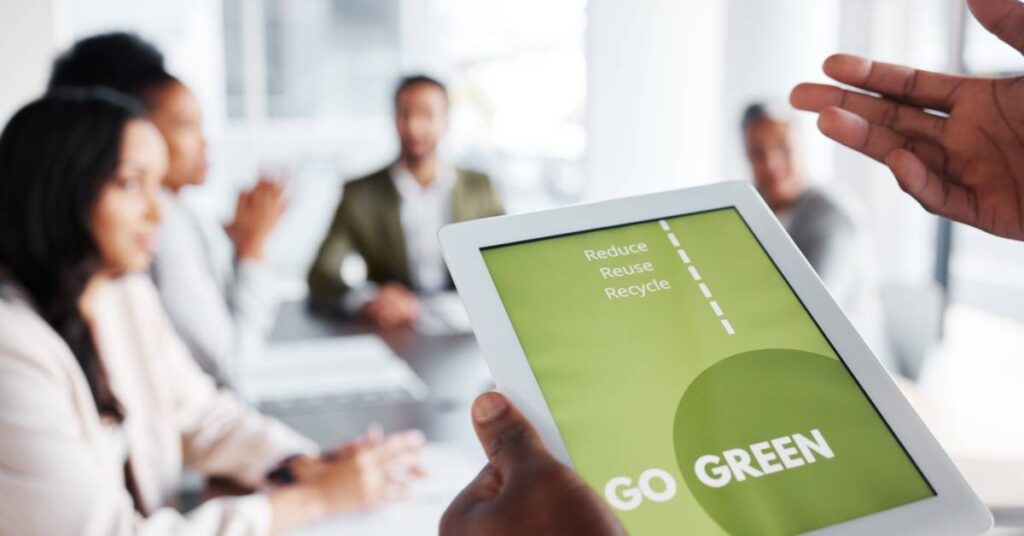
(963, 159)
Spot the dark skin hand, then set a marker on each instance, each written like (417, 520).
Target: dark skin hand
(966, 164)
(523, 489)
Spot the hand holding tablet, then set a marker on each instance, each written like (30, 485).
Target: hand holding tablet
(522, 490)
(681, 355)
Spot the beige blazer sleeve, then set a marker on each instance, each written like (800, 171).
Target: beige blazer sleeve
(220, 435)
(54, 482)
(58, 475)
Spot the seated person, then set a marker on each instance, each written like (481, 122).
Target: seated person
(100, 403)
(826, 233)
(391, 217)
(223, 308)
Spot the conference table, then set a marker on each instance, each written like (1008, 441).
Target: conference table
(454, 372)
(451, 366)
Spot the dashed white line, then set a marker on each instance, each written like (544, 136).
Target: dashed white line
(716, 308)
(696, 277)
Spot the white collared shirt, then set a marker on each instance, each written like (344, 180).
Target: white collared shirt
(423, 211)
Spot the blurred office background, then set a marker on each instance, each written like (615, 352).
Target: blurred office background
(567, 101)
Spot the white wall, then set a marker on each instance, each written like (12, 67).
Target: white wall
(771, 47)
(667, 81)
(653, 95)
(31, 33)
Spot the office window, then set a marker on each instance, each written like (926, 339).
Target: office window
(234, 68)
(314, 58)
(519, 93)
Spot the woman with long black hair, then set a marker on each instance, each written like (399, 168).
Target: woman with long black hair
(100, 403)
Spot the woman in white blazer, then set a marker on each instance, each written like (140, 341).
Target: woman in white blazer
(101, 405)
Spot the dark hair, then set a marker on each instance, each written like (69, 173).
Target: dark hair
(56, 154)
(117, 60)
(418, 79)
(756, 112)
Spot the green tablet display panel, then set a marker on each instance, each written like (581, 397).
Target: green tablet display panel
(691, 387)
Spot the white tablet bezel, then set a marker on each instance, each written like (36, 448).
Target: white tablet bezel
(955, 510)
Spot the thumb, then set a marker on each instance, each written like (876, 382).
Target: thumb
(1004, 18)
(509, 440)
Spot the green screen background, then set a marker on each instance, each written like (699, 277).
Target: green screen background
(614, 372)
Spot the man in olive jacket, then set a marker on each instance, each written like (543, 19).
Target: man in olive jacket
(390, 218)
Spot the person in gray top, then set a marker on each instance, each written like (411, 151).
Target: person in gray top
(824, 230)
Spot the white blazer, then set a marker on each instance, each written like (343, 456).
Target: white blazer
(58, 473)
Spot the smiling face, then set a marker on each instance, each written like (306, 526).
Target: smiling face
(127, 213)
(175, 111)
(774, 161)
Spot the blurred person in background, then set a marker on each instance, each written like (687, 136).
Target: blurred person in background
(391, 217)
(101, 405)
(222, 306)
(834, 242)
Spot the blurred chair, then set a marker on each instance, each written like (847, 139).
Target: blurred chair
(913, 318)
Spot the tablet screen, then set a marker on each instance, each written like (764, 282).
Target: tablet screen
(691, 386)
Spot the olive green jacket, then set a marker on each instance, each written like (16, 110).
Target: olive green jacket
(368, 222)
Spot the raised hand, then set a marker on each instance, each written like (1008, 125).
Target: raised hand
(256, 215)
(954, 143)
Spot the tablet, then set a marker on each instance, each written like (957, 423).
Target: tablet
(678, 351)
